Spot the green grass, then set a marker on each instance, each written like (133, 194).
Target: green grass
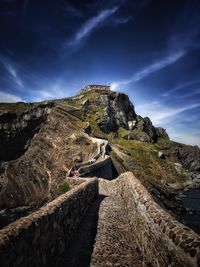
(65, 187)
(122, 132)
(18, 106)
(144, 161)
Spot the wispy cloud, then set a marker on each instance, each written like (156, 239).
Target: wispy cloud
(154, 67)
(9, 98)
(91, 24)
(158, 65)
(160, 114)
(118, 21)
(183, 129)
(180, 87)
(188, 136)
(12, 71)
(55, 91)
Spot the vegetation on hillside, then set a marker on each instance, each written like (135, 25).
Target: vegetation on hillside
(65, 186)
(145, 162)
(18, 106)
(143, 157)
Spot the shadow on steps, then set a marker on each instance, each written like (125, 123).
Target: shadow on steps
(80, 249)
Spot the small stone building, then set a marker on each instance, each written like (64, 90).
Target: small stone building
(97, 87)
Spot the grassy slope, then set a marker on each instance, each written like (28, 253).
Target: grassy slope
(144, 156)
(18, 106)
(144, 160)
(146, 163)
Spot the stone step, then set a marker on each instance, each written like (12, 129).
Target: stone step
(113, 243)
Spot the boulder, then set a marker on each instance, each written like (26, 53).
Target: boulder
(161, 133)
(161, 155)
(131, 125)
(131, 136)
(87, 128)
(145, 125)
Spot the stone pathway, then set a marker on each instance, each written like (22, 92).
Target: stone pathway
(114, 245)
(103, 238)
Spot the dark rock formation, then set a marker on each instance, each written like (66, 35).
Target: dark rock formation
(118, 112)
(189, 156)
(18, 127)
(146, 132)
(161, 133)
(38, 174)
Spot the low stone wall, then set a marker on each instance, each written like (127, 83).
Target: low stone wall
(161, 239)
(42, 238)
(103, 168)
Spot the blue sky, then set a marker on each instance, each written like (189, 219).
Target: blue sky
(146, 48)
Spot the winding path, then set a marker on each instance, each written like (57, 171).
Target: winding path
(103, 238)
(95, 162)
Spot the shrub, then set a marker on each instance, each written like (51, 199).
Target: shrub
(65, 187)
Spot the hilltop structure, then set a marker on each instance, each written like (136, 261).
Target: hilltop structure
(97, 87)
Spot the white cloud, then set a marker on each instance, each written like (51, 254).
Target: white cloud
(14, 75)
(180, 87)
(12, 71)
(56, 91)
(118, 21)
(154, 67)
(91, 24)
(160, 114)
(180, 128)
(190, 137)
(9, 98)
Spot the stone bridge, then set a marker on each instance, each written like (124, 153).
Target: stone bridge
(100, 223)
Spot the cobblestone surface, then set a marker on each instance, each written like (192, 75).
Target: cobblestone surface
(113, 246)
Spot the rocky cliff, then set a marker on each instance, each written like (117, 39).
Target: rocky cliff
(18, 124)
(38, 172)
(41, 141)
(114, 110)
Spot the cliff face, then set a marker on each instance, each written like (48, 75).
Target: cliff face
(18, 126)
(114, 110)
(40, 142)
(37, 175)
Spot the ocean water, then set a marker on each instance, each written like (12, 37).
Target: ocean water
(191, 200)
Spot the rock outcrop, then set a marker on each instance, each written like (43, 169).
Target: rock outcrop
(18, 126)
(118, 111)
(41, 141)
(38, 174)
(189, 156)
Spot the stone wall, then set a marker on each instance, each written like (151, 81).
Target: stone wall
(103, 168)
(41, 238)
(161, 239)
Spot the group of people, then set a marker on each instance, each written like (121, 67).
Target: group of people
(74, 171)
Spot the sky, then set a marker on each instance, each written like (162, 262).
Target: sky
(148, 49)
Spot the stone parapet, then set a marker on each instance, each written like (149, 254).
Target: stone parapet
(42, 238)
(161, 239)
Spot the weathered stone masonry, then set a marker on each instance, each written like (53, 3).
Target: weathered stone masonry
(41, 238)
(162, 240)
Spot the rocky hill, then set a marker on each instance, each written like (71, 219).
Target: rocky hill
(41, 141)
